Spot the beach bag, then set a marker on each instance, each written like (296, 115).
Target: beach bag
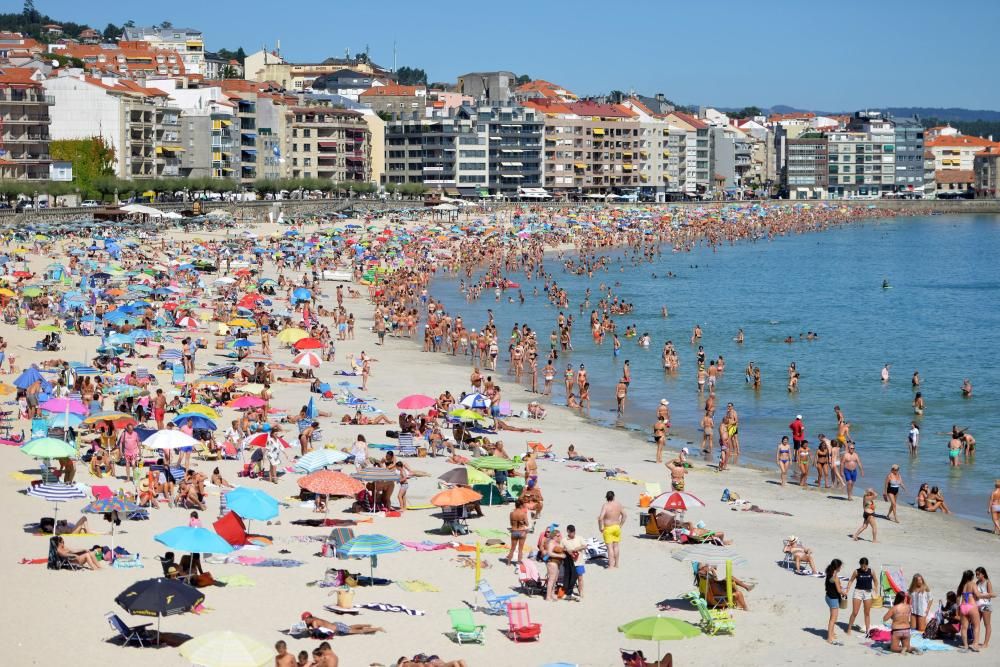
(843, 603)
(202, 580)
(931, 631)
(345, 597)
(877, 602)
(644, 500)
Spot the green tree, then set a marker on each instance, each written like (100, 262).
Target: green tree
(91, 158)
(111, 31)
(31, 15)
(523, 79)
(410, 76)
(747, 112)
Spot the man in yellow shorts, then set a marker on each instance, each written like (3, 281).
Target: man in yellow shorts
(610, 522)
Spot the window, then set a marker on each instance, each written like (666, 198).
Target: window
(306, 132)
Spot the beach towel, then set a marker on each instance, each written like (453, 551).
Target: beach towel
(236, 580)
(418, 586)
(426, 546)
(397, 608)
(492, 533)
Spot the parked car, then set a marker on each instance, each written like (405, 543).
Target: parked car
(90, 203)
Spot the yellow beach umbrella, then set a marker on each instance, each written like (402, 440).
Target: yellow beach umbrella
(242, 322)
(252, 388)
(6, 292)
(199, 409)
(292, 335)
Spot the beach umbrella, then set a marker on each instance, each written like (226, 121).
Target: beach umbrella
(198, 409)
(48, 448)
(493, 463)
(195, 421)
(466, 476)
(159, 597)
(455, 497)
(56, 493)
(65, 420)
(476, 400)
(170, 355)
(416, 402)
(252, 503)
(330, 483)
(169, 438)
(301, 294)
(319, 459)
(676, 501)
(261, 439)
(659, 629)
(243, 343)
(292, 335)
(6, 389)
(222, 371)
(244, 402)
(708, 553)
(70, 405)
(107, 416)
(194, 539)
(187, 323)
(371, 475)
(308, 344)
(224, 648)
(112, 504)
(242, 322)
(371, 546)
(464, 414)
(307, 360)
(29, 377)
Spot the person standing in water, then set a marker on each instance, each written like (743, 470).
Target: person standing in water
(995, 507)
(913, 438)
(885, 373)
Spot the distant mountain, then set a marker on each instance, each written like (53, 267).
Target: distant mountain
(941, 114)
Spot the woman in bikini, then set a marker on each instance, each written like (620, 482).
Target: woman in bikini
(823, 464)
(867, 516)
(784, 457)
(893, 483)
(802, 457)
(899, 614)
(836, 474)
(968, 609)
(922, 494)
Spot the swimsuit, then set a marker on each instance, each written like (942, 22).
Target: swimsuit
(612, 533)
(851, 475)
(893, 488)
(677, 484)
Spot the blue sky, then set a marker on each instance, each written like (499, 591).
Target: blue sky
(834, 55)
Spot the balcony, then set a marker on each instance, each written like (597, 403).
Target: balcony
(26, 97)
(27, 119)
(29, 138)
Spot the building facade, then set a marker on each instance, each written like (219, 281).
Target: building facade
(24, 126)
(862, 164)
(187, 42)
(513, 147)
(805, 175)
(909, 139)
(986, 166)
(327, 143)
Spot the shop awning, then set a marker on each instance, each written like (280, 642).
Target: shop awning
(327, 144)
(580, 165)
(598, 131)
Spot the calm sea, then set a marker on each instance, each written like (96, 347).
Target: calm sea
(941, 318)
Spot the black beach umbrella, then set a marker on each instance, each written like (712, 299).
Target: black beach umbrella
(159, 597)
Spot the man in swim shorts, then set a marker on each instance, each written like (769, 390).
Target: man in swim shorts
(851, 466)
(610, 522)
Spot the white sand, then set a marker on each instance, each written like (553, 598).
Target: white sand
(59, 616)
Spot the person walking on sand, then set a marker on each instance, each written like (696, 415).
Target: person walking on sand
(893, 483)
(834, 594)
(994, 509)
(852, 466)
(867, 516)
(659, 436)
(518, 531)
(610, 522)
(784, 458)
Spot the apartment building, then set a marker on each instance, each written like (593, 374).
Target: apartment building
(514, 147)
(24, 126)
(269, 65)
(135, 121)
(187, 42)
(393, 99)
(697, 152)
(806, 174)
(591, 149)
(656, 177)
(492, 87)
(986, 166)
(133, 60)
(327, 143)
(956, 151)
(861, 164)
(909, 139)
(441, 149)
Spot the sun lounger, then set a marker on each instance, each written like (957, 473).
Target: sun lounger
(464, 626)
(713, 621)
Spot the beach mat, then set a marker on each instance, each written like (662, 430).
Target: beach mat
(418, 586)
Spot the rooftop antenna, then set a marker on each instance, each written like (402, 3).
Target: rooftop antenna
(393, 55)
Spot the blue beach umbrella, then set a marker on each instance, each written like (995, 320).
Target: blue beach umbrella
(252, 504)
(196, 422)
(193, 539)
(29, 377)
(371, 546)
(319, 459)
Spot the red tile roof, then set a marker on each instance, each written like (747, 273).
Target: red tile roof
(959, 141)
(689, 119)
(139, 57)
(955, 176)
(392, 90)
(544, 89)
(17, 76)
(992, 151)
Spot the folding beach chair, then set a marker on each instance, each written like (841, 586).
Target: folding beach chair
(496, 604)
(464, 626)
(532, 582)
(519, 625)
(138, 633)
(406, 445)
(338, 537)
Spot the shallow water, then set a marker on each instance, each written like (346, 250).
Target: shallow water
(941, 317)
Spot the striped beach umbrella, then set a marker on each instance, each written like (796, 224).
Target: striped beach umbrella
(319, 459)
(188, 323)
(708, 553)
(222, 371)
(56, 493)
(371, 546)
(170, 355)
(199, 409)
(371, 475)
(307, 360)
(493, 463)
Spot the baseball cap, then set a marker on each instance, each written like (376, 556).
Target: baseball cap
(305, 615)
(664, 401)
(798, 416)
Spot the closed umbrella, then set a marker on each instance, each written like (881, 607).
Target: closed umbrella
(159, 597)
(224, 648)
(371, 546)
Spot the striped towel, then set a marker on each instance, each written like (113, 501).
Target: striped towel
(384, 606)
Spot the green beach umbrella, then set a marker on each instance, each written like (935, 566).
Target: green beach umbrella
(31, 291)
(48, 448)
(659, 629)
(493, 463)
(467, 415)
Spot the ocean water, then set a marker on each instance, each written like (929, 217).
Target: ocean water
(941, 318)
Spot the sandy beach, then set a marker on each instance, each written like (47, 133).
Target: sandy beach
(51, 614)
